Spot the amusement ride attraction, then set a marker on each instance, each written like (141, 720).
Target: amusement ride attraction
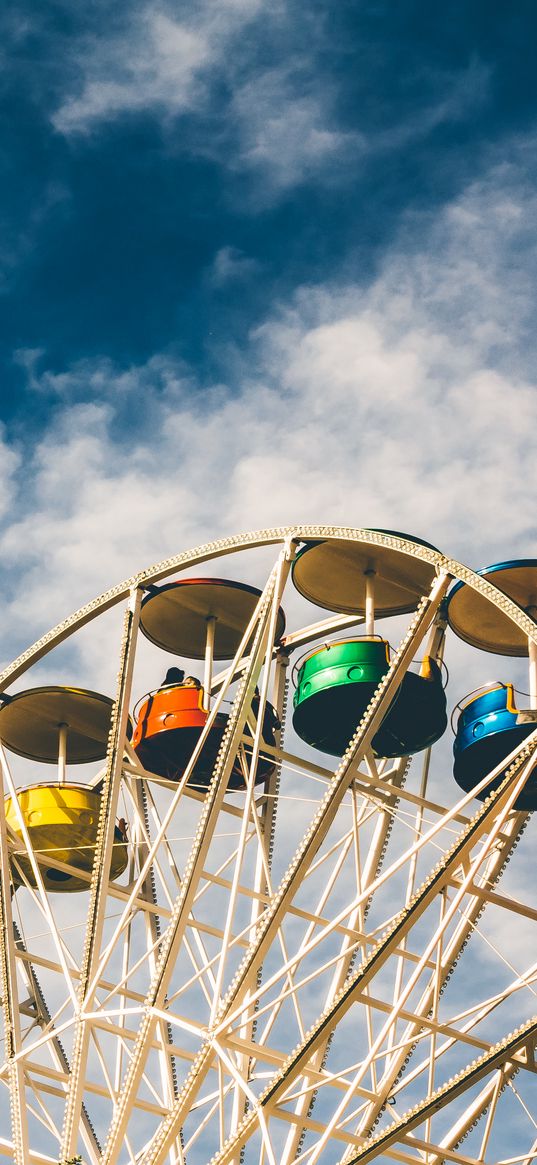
(272, 900)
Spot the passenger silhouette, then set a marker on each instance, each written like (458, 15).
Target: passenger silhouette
(271, 722)
(174, 675)
(123, 828)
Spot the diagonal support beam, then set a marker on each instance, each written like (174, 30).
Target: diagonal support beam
(357, 921)
(501, 1053)
(463, 931)
(173, 936)
(99, 879)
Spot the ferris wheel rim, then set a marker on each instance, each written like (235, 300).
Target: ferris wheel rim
(255, 540)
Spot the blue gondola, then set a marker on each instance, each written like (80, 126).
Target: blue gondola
(489, 727)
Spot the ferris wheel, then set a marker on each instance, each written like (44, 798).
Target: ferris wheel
(263, 909)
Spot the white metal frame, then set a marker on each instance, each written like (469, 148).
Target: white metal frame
(215, 1006)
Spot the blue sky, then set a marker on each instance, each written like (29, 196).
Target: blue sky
(262, 262)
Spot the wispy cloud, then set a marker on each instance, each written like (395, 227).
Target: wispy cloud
(154, 64)
(276, 122)
(287, 130)
(229, 265)
(10, 460)
(452, 98)
(17, 245)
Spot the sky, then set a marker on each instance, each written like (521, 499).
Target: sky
(261, 262)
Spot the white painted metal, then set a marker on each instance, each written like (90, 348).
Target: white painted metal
(532, 652)
(11, 1006)
(62, 751)
(370, 602)
(209, 654)
(272, 974)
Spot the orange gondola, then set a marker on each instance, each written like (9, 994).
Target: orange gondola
(168, 727)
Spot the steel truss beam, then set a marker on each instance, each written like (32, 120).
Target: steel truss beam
(500, 1054)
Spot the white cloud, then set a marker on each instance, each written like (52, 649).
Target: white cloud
(456, 96)
(288, 129)
(230, 265)
(18, 244)
(155, 62)
(409, 405)
(274, 122)
(285, 129)
(10, 461)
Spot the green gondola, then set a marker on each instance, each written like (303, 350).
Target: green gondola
(335, 684)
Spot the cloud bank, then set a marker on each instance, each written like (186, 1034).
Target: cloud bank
(409, 405)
